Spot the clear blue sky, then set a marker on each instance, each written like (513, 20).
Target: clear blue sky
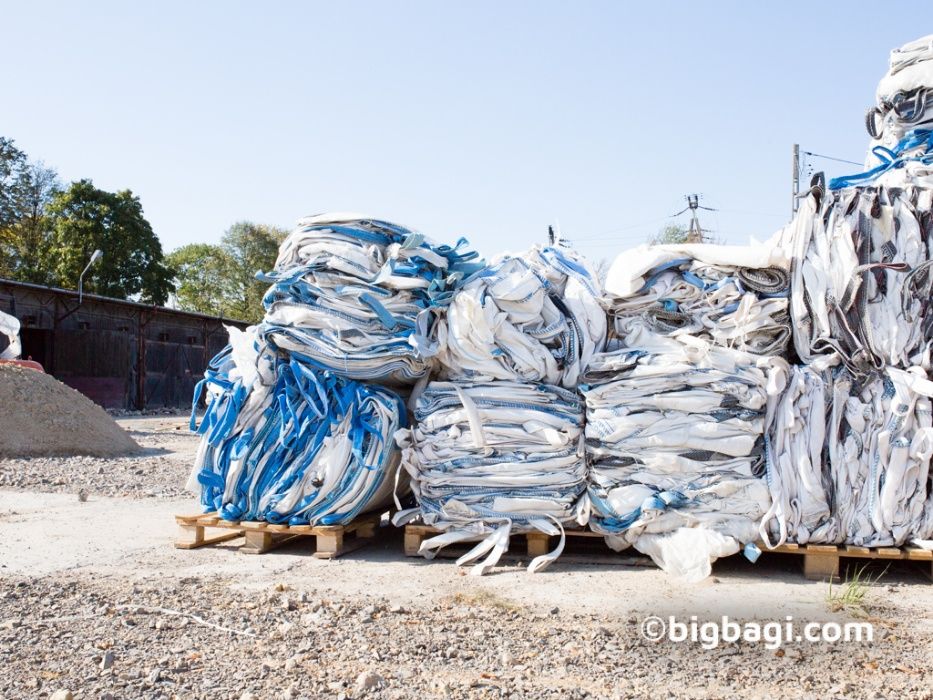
(482, 119)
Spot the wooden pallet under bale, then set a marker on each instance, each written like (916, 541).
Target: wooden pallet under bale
(820, 562)
(330, 540)
(537, 543)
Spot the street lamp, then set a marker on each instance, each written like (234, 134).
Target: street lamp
(95, 256)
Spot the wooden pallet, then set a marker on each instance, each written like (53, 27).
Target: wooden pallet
(260, 537)
(820, 562)
(537, 543)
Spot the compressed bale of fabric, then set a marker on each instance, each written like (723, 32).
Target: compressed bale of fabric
(285, 442)
(796, 461)
(880, 439)
(488, 459)
(536, 317)
(675, 440)
(904, 98)
(861, 277)
(361, 296)
(733, 296)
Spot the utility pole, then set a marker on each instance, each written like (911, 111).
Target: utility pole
(695, 231)
(695, 234)
(795, 183)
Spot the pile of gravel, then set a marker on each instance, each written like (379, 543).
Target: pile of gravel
(41, 417)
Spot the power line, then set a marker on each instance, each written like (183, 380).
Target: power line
(602, 236)
(752, 213)
(838, 160)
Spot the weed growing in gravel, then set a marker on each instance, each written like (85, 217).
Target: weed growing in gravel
(850, 597)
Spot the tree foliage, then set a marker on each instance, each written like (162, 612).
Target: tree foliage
(251, 248)
(221, 279)
(47, 233)
(28, 240)
(85, 218)
(670, 234)
(26, 189)
(201, 272)
(12, 163)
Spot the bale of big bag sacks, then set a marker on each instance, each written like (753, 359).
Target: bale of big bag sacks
(361, 297)
(534, 317)
(489, 459)
(285, 442)
(732, 296)
(675, 439)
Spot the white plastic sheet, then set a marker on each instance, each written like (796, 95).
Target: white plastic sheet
(9, 330)
(487, 459)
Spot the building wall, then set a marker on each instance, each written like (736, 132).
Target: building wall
(120, 354)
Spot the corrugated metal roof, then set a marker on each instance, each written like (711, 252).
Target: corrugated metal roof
(123, 302)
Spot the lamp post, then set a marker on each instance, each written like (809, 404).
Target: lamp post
(95, 256)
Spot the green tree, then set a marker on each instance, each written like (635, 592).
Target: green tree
(221, 279)
(26, 189)
(202, 273)
(672, 233)
(250, 248)
(84, 218)
(12, 163)
(27, 242)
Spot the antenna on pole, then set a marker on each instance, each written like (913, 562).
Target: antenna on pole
(695, 231)
(550, 235)
(795, 182)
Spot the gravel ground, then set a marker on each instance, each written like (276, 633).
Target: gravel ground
(96, 603)
(95, 638)
(159, 471)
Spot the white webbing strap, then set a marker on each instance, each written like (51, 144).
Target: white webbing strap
(473, 417)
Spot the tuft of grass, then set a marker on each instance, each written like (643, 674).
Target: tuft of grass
(850, 596)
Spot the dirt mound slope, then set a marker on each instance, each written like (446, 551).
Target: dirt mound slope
(41, 417)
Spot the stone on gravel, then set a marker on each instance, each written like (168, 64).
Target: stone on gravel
(368, 680)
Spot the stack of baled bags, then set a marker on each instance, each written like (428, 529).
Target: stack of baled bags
(497, 445)
(861, 309)
(291, 434)
(677, 406)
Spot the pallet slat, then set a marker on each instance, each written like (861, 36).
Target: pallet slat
(537, 543)
(820, 561)
(260, 537)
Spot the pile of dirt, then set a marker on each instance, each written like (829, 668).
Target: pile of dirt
(41, 417)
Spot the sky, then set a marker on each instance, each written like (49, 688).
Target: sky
(489, 120)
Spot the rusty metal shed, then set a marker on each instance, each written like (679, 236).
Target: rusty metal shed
(119, 353)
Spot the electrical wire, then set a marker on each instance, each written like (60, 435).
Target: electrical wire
(838, 160)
